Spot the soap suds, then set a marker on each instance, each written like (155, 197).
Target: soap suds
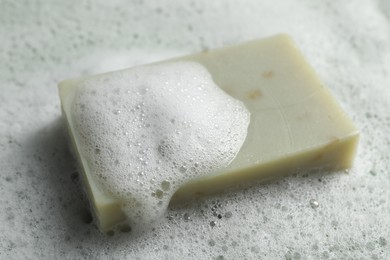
(147, 131)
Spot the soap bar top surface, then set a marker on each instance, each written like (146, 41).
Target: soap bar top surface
(145, 132)
(291, 109)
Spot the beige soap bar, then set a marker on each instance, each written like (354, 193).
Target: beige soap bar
(295, 124)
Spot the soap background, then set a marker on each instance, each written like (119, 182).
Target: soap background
(42, 206)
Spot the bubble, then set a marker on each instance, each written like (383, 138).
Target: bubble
(228, 214)
(382, 241)
(165, 185)
(314, 204)
(334, 223)
(255, 249)
(186, 217)
(159, 194)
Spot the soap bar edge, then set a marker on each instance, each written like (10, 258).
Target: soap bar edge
(96, 206)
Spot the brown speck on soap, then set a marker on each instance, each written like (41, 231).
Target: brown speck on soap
(254, 94)
(268, 74)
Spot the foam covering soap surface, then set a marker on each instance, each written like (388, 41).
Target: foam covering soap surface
(147, 131)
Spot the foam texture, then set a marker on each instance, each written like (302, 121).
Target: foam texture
(43, 213)
(147, 131)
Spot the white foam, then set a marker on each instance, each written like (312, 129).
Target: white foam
(149, 130)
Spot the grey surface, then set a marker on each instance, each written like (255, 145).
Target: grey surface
(42, 207)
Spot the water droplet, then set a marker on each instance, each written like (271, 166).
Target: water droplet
(159, 194)
(211, 242)
(183, 169)
(187, 217)
(116, 112)
(212, 223)
(165, 185)
(314, 204)
(228, 214)
(382, 241)
(334, 224)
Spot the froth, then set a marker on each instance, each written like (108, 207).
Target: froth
(147, 131)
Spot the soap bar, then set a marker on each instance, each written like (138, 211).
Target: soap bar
(295, 122)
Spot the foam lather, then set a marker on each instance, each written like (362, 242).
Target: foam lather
(146, 132)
